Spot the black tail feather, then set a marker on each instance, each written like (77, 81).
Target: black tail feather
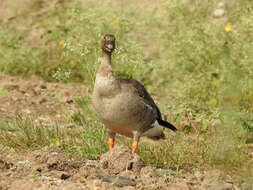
(166, 124)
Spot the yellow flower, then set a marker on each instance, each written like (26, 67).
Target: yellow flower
(114, 21)
(228, 28)
(72, 63)
(61, 42)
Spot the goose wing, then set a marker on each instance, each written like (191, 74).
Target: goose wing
(144, 95)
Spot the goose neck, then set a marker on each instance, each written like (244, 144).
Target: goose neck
(106, 67)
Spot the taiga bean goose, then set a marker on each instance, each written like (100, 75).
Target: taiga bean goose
(124, 105)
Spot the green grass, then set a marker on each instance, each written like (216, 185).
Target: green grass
(202, 74)
(3, 91)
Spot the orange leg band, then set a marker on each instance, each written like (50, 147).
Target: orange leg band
(111, 143)
(134, 146)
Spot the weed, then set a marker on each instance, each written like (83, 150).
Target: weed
(3, 91)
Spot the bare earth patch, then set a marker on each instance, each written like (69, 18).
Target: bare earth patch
(54, 168)
(45, 102)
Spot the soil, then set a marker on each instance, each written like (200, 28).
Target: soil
(47, 102)
(54, 168)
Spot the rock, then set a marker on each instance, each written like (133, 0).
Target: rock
(69, 101)
(178, 186)
(218, 13)
(39, 169)
(130, 174)
(65, 176)
(120, 159)
(43, 86)
(120, 181)
(24, 163)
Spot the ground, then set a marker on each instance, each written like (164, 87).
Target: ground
(47, 102)
(54, 168)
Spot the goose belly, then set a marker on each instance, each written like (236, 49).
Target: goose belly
(122, 115)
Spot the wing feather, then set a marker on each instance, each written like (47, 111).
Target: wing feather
(144, 95)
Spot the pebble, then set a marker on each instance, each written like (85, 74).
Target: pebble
(218, 13)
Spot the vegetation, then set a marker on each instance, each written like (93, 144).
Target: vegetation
(201, 68)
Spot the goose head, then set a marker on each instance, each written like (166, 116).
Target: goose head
(108, 43)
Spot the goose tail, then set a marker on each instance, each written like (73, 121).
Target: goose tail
(166, 124)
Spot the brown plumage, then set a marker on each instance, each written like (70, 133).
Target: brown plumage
(124, 105)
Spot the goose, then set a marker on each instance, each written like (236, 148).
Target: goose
(124, 105)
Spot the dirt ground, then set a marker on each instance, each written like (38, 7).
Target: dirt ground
(47, 102)
(53, 168)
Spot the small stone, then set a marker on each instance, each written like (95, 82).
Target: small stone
(119, 159)
(43, 86)
(25, 163)
(218, 13)
(70, 101)
(65, 176)
(120, 181)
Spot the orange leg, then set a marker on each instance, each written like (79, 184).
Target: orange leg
(134, 146)
(111, 142)
(111, 136)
